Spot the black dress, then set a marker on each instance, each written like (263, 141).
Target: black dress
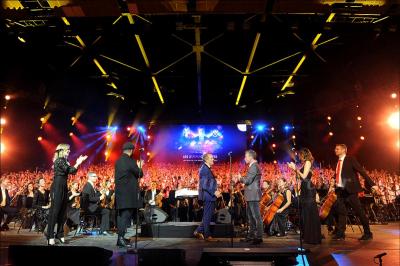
(41, 215)
(311, 224)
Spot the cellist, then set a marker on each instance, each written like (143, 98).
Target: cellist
(283, 211)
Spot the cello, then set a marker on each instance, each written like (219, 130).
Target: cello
(327, 205)
(270, 213)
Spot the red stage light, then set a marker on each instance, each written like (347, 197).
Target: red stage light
(359, 118)
(2, 121)
(273, 145)
(106, 153)
(108, 137)
(128, 129)
(7, 97)
(148, 137)
(148, 154)
(275, 162)
(329, 118)
(39, 138)
(393, 95)
(42, 119)
(71, 134)
(2, 147)
(330, 133)
(393, 120)
(293, 137)
(73, 118)
(362, 138)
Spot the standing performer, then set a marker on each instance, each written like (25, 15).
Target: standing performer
(59, 192)
(252, 195)
(347, 188)
(208, 194)
(310, 222)
(127, 174)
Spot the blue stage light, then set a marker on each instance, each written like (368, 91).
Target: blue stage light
(141, 129)
(260, 127)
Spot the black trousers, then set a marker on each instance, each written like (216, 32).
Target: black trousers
(352, 199)
(11, 213)
(105, 218)
(123, 220)
(58, 209)
(281, 219)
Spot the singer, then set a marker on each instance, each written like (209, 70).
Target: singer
(252, 194)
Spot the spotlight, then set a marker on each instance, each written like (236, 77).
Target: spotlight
(128, 129)
(359, 118)
(73, 118)
(330, 133)
(2, 121)
(21, 39)
(242, 127)
(286, 128)
(39, 138)
(272, 128)
(293, 137)
(108, 136)
(252, 137)
(393, 120)
(7, 97)
(362, 138)
(329, 118)
(3, 148)
(141, 129)
(106, 153)
(148, 154)
(393, 95)
(148, 137)
(71, 134)
(273, 145)
(42, 119)
(260, 128)
(275, 161)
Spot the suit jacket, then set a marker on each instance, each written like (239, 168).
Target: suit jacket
(252, 189)
(8, 199)
(90, 198)
(127, 174)
(147, 195)
(207, 184)
(350, 181)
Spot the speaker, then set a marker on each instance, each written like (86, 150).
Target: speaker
(223, 216)
(164, 257)
(269, 256)
(155, 215)
(58, 255)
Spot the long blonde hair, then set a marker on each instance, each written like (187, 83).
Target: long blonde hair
(61, 151)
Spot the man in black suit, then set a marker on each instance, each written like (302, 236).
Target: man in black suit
(347, 186)
(150, 201)
(91, 203)
(127, 197)
(5, 207)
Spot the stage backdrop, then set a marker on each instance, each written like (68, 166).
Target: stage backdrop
(177, 143)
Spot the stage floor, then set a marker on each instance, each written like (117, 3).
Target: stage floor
(348, 252)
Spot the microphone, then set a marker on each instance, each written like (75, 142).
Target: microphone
(230, 153)
(380, 255)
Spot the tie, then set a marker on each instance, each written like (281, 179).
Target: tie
(339, 165)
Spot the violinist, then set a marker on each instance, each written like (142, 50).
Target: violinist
(73, 207)
(5, 207)
(41, 204)
(283, 211)
(109, 200)
(91, 199)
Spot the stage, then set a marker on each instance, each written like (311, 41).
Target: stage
(348, 252)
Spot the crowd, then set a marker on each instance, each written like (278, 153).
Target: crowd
(185, 175)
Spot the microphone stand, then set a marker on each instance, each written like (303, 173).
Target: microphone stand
(301, 252)
(138, 200)
(231, 207)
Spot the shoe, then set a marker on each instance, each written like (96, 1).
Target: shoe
(198, 235)
(366, 236)
(51, 242)
(246, 239)
(62, 240)
(338, 237)
(257, 241)
(121, 243)
(280, 235)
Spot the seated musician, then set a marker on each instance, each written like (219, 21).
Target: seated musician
(239, 205)
(109, 200)
(283, 211)
(73, 207)
(41, 204)
(5, 208)
(152, 199)
(90, 203)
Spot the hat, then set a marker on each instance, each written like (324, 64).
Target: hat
(128, 146)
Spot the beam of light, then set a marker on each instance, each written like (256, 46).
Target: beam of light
(44, 120)
(153, 78)
(111, 116)
(3, 121)
(81, 42)
(393, 95)
(313, 44)
(46, 102)
(48, 147)
(21, 39)
(65, 20)
(260, 127)
(7, 97)
(78, 143)
(76, 117)
(97, 63)
(393, 120)
(2, 147)
(253, 52)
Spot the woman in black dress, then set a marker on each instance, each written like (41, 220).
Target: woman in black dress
(41, 204)
(310, 223)
(59, 192)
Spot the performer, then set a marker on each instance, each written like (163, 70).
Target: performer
(252, 195)
(347, 186)
(208, 194)
(5, 207)
(41, 204)
(59, 191)
(310, 222)
(151, 199)
(282, 213)
(127, 174)
(73, 207)
(91, 198)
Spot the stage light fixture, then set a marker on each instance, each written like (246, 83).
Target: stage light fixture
(329, 118)
(148, 137)
(393, 120)
(73, 118)
(242, 127)
(39, 138)
(2, 147)
(148, 154)
(106, 153)
(273, 145)
(7, 97)
(362, 137)
(21, 39)
(293, 137)
(71, 134)
(42, 119)
(2, 121)
(359, 118)
(141, 129)
(260, 127)
(108, 136)
(275, 161)
(272, 128)
(128, 129)
(393, 95)
(330, 133)
(252, 137)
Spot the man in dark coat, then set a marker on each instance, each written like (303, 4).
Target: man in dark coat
(127, 197)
